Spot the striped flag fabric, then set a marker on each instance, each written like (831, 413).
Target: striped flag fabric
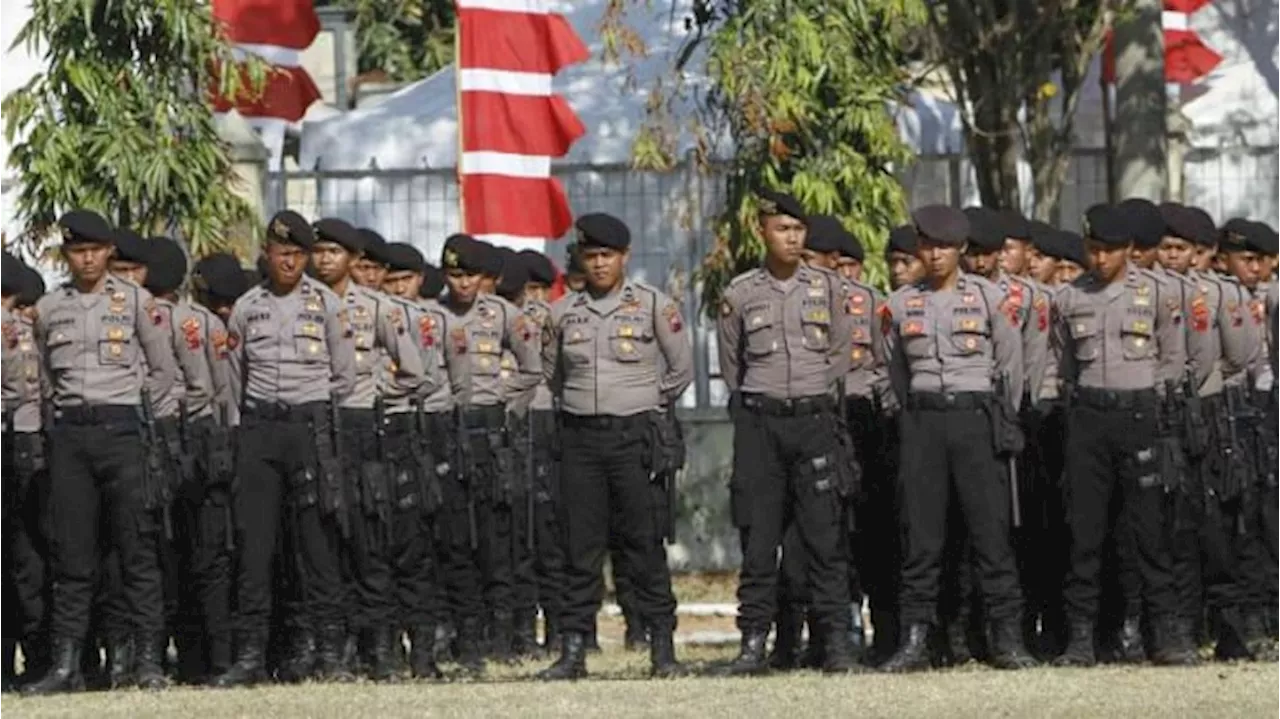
(277, 31)
(511, 122)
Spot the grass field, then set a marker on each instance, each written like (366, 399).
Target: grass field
(1243, 690)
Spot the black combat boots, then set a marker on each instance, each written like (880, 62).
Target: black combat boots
(751, 657)
(913, 652)
(1079, 651)
(786, 638)
(1174, 646)
(149, 650)
(1007, 648)
(64, 670)
(382, 657)
(422, 656)
(250, 666)
(572, 663)
(662, 655)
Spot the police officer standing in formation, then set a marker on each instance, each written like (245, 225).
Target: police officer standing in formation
(955, 359)
(478, 497)
(617, 357)
(289, 361)
(390, 369)
(1120, 332)
(23, 456)
(785, 335)
(102, 340)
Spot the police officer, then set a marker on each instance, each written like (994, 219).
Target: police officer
(289, 361)
(94, 335)
(183, 417)
(905, 268)
(548, 552)
(368, 268)
(615, 354)
(479, 495)
(785, 342)
(23, 456)
(1120, 332)
(378, 330)
(951, 338)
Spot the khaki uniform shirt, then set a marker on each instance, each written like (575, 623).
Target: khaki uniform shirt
(786, 338)
(474, 343)
(388, 356)
(434, 327)
(1030, 302)
(414, 326)
(96, 344)
(956, 340)
(193, 336)
(868, 374)
(22, 367)
(1123, 336)
(621, 354)
(290, 349)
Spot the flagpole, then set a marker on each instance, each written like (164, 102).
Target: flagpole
(457, 82)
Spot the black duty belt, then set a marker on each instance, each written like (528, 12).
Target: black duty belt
(282, 412)
(606, 422)
(97, 414)
(942, 401)
(1114, 399)
(793, 407)
(491, 415)
(357, 417)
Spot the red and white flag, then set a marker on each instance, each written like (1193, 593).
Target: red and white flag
(511, 123)
(1186, 57)
(277, 31)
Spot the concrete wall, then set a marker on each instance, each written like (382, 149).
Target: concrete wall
(706, 538)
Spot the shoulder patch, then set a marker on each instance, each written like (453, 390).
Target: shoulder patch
(672, 313)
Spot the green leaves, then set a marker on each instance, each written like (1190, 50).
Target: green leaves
(406, 39)
(120, 120)
(804, 87)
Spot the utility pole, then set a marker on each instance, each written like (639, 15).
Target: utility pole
(1140, 137)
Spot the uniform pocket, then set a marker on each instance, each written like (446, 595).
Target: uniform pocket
(917, 338)
(1135, 338)
(308, 342)
(758, 324)
(1084, 336)
(578, 344)
(61, 350)
(816, 327)
(116, 346)
(969, 335)
(625, 342)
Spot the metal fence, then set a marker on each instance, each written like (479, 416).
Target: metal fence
(670, 214)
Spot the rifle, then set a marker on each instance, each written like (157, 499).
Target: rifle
(847, 467)
(1195, 431)
(463, 450)
(375, 479)
(428, 471)
(1236, 466)
(228, 519)
(1009, 442)
(155, 485)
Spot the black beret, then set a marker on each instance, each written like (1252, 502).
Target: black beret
(32, 287)
(538, 266)
(1071, 247)
(83, 226)
(462, 252)
(432, 282)
(601, 229)
(825, 234)
(1145, 222)
(289, 227)
(1188, 223)
(902, 238)
(941, 224)
(1041, 234)
(131, 247)
(490, 258)
(986, 231)
(166, 265)
(1235, 234)
(1205, 230)
(10, 274)
(221, 276)
(1107, 224)
(402, 257)
(573, 259)
(332, 229)
(514, 274)
(373, 245)
(1014, 224)
(772, 202)
(1265, 239)
(850, 247)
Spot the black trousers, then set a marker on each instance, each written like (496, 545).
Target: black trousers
(784, 474)
(1043, 543)
(479, 515)
(881, 535)
(606, 494)
(1111, 451)
(200, 562)
(95, 472)
(278, 491)
(548, 557)
(948, 455)
(394, 558)
(524, 437)
(25, 580)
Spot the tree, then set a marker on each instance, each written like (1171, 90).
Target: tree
(1011, 57)
(804, 89)
(120, 120)
(406, 39)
